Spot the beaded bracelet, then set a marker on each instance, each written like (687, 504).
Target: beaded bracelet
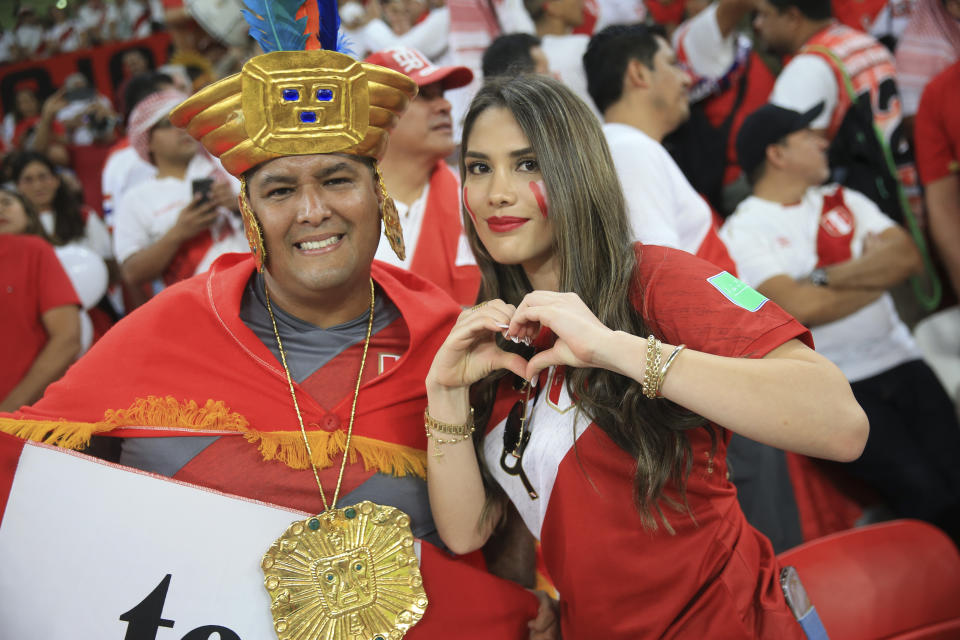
(460, 432)
(651, 373)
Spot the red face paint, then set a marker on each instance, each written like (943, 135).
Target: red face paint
(466, 205)
(541, 195)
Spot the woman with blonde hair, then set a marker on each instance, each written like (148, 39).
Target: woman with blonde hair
(610, 437)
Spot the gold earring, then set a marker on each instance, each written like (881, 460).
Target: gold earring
(252, 228)
(391, 219)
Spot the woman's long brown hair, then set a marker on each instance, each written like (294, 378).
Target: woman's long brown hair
(597, 261)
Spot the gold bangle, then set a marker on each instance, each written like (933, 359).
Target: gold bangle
(433, 424)
(666, 366)
(651, 371)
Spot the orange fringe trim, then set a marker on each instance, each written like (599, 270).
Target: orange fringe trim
(284, 446)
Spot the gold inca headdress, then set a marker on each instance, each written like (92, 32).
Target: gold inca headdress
(294, 102)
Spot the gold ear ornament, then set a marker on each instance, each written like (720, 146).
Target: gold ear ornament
(251, 227)
(391, 219)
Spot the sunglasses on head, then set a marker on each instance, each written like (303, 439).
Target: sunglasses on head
(516, 435)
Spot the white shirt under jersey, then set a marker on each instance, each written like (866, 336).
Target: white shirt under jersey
(806, 81)
(411, 220)
(662, 206)
(768, 239)
(150, 209)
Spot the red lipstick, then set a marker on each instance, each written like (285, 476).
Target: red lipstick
(502, 224)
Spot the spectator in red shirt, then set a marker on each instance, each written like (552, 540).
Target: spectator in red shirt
(937, 136)
(40, 325)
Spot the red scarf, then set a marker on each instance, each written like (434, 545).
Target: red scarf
(436, 253)
(185, 364)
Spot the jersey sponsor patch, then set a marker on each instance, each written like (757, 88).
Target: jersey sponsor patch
(737, 291)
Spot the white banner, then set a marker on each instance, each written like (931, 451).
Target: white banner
(90, 550)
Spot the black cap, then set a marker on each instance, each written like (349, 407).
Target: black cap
(764, 127)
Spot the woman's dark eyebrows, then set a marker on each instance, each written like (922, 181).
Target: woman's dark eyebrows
(519, 152)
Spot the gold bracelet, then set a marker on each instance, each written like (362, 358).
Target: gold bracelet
(450, 429)
(666, 366)
(460, 432)
(651, 372)
(442, 441)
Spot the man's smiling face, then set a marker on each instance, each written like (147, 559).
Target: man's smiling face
(320, 220)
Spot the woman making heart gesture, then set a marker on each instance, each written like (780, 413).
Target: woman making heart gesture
(643, 360)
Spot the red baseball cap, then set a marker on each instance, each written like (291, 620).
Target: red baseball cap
(418, 68)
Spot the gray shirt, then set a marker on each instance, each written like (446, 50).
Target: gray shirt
(308, 348)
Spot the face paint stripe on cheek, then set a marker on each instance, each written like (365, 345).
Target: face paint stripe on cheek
(466, 205)
(540, 193)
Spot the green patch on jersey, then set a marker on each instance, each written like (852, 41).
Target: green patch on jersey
(737, 292)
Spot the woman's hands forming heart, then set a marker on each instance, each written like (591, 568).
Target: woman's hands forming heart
(470, 351)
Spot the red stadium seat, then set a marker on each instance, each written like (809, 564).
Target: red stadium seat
(896, 580)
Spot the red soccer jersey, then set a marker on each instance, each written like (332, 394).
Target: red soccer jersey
(232, 465)
(937, 127)
(31, 282)
(716, 577)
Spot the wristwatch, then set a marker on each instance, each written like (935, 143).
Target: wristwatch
(819, 277)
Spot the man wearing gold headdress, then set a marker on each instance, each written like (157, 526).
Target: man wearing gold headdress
(305, 355)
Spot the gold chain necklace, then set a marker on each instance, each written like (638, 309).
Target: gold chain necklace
(344, 574)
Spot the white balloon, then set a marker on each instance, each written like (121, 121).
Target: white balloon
(86, 332)
(87, 272)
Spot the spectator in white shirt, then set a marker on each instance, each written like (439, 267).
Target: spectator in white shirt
(828, 256)
(426, 191)
(641, 91)
(162, 227)
(62, 36)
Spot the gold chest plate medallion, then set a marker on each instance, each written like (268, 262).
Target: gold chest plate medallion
(346, 574)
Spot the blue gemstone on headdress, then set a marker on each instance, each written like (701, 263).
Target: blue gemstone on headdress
(325, 95)
(308, 116)
(291, 95)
